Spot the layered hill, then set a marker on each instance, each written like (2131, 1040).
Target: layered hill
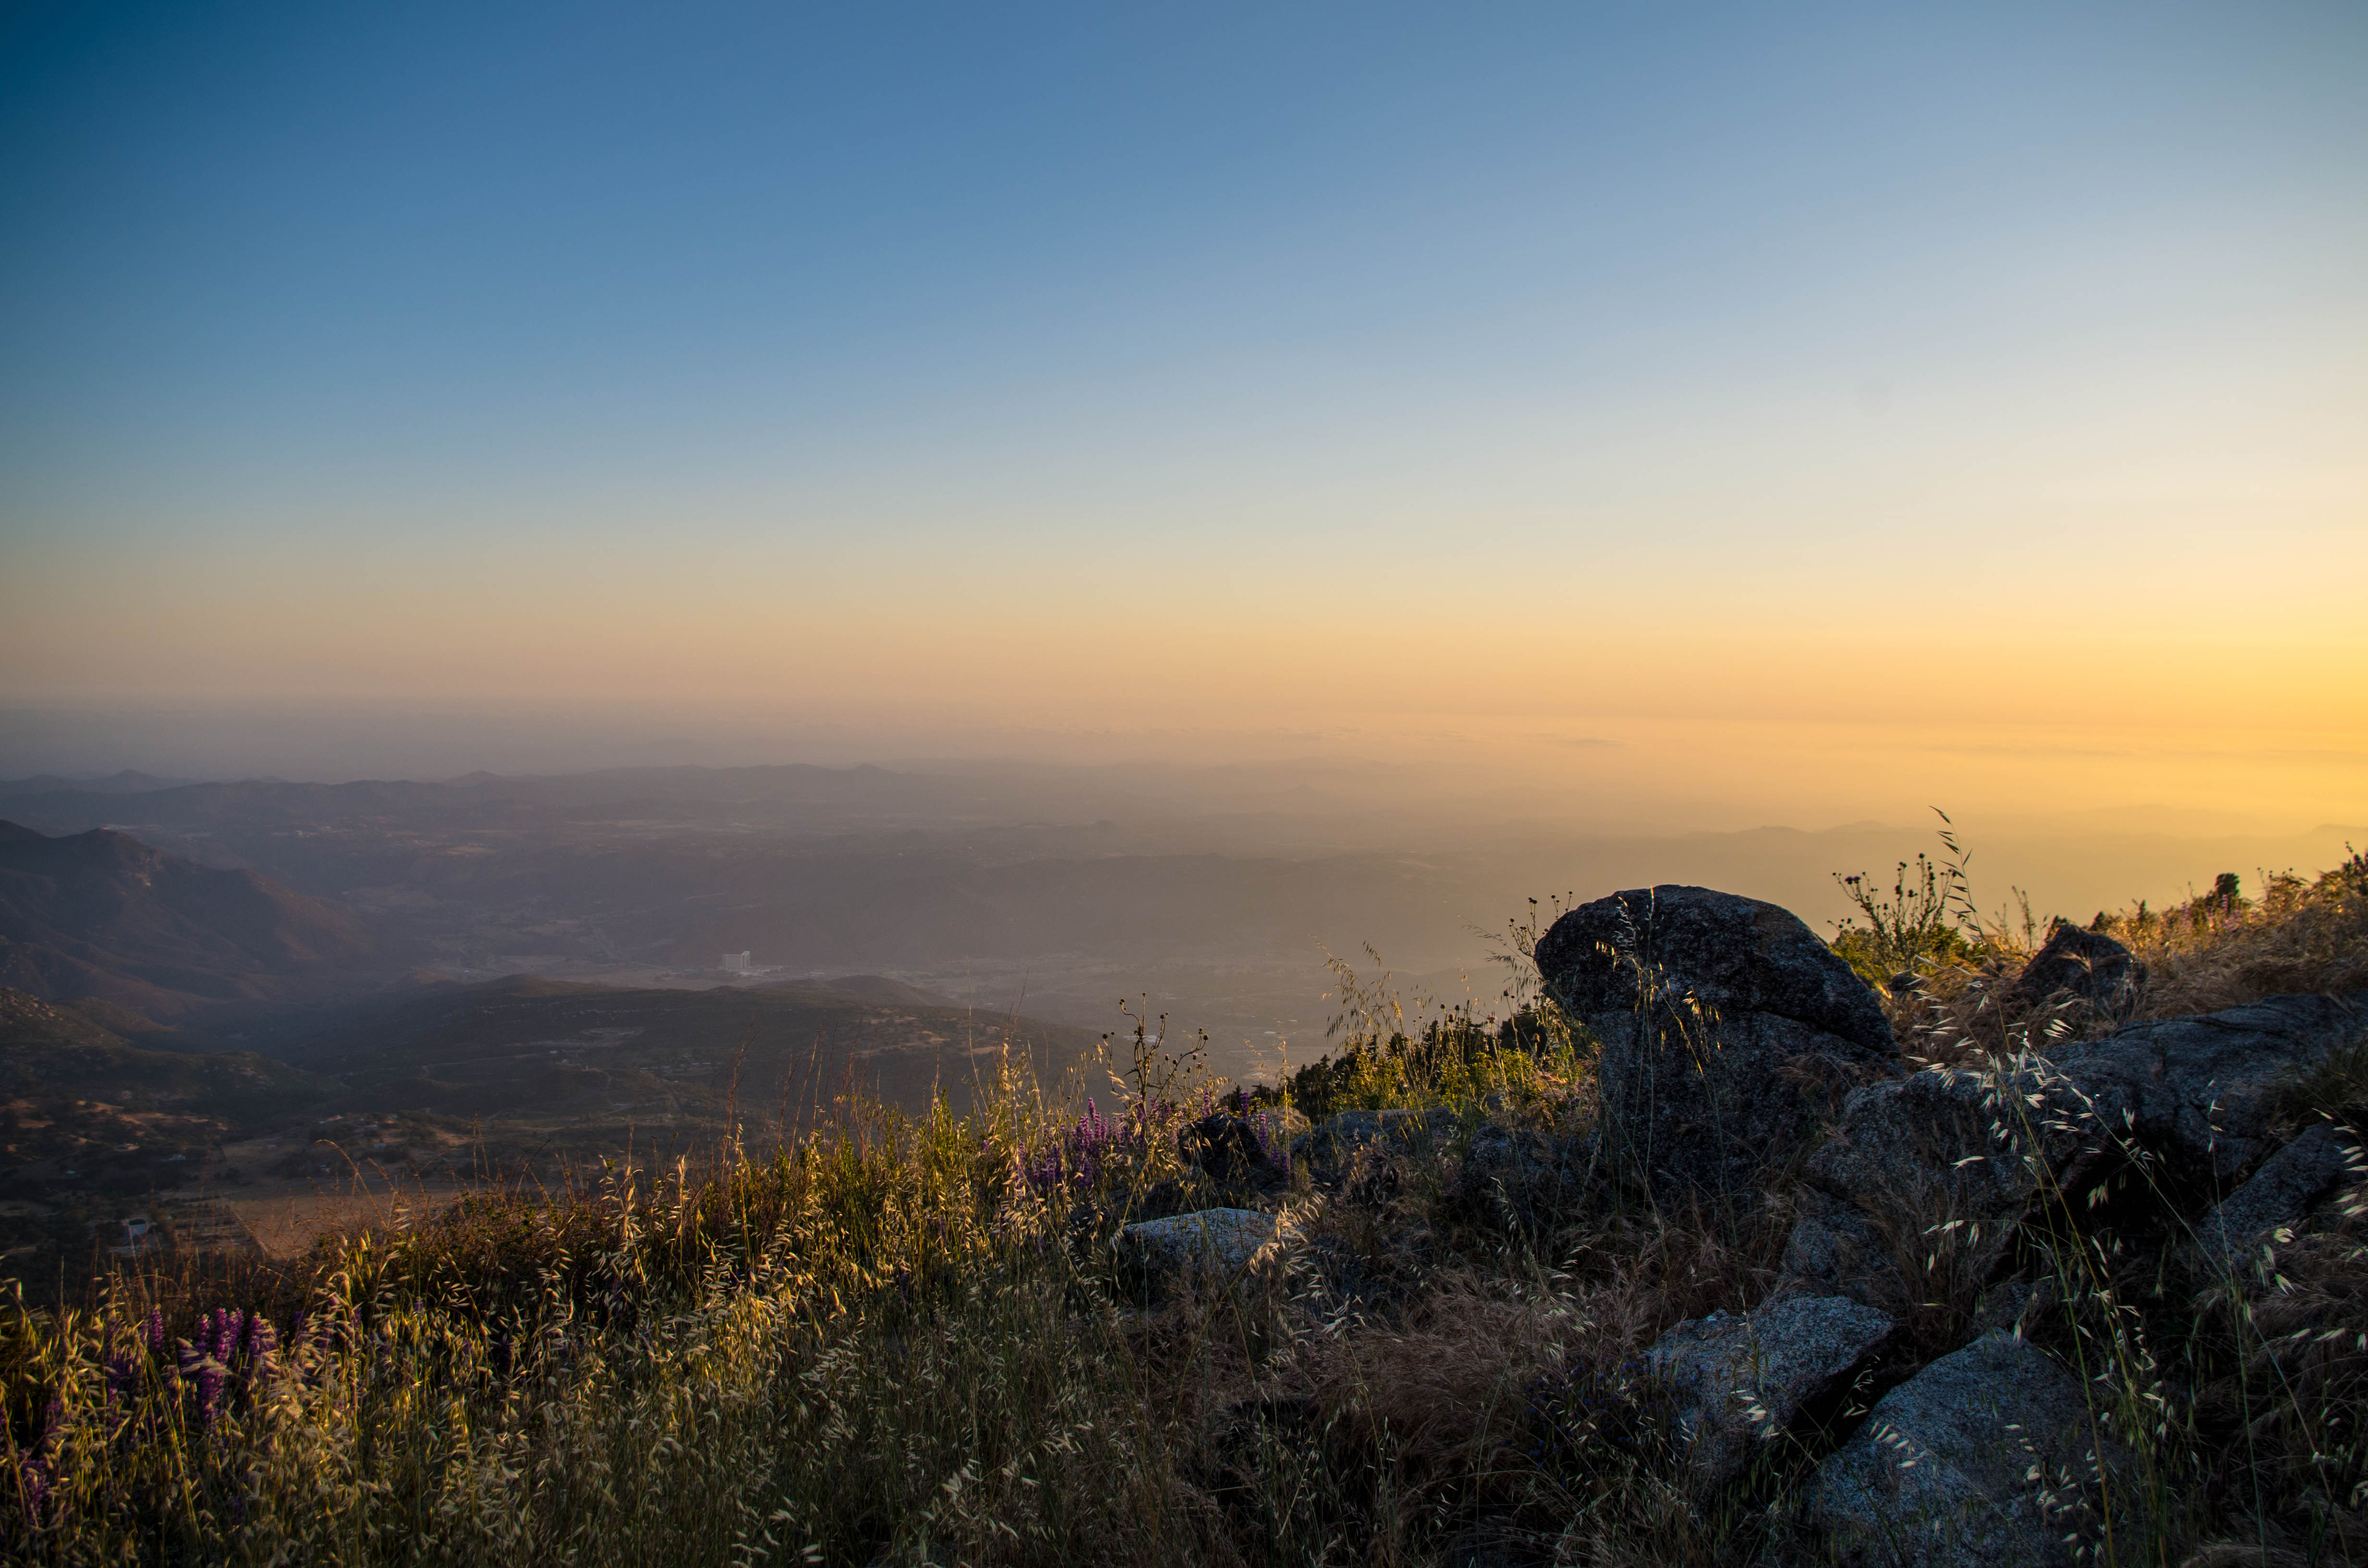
(101, 915)
(444, 1082)
(84, 1108)
(557, 1053)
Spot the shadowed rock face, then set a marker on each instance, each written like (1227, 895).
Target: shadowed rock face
(1931, 1148)
(2088, 965)
(1732, 954)
(1971, 1148)
(1228, 1150)
(1749, 1376)
(2280, 1193)
(1728, 1032)
(1518, 1178)
(2203, 1087)
(1340, 1137)
(1940, 1474)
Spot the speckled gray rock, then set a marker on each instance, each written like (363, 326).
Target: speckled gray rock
(1750, 1375)
(1717, 1108)
(1968, 1150)
(1224, 1239)
(2102, 975)
(1732, 954)
(1338, 1137)
(1919, 1151)
(2280, 1193)
(1835, 1248)
(1728, 1033)
(2202, 1087)
(1940, 1476)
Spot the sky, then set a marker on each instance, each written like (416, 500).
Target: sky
(1719, 413)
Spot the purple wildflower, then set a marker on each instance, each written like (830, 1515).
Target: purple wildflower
(33, 1483)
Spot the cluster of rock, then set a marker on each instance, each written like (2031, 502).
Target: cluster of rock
(1739, 1055)
(1738, 1048)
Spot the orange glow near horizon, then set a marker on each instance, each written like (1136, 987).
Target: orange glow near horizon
(1697, 714)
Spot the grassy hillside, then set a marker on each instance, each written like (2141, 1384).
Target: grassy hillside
(906, 1339)
(93, 1124)
(76, 1096)
(445, 1084)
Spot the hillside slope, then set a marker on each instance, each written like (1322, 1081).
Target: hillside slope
(547, 1050)
(101, 914)
(77, 1098)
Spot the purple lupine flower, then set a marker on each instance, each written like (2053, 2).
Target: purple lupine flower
(227, 1325)
(1075, 1154)
(1092, 1141)
(1277, 1150)
(153, 1330)
(122, 1369)
(35, 1469)
(33, 1484)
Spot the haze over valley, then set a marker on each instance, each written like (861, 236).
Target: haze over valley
(1034, 890)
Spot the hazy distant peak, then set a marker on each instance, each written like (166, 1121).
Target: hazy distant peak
(127, 782)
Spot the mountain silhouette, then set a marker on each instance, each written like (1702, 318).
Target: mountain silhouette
(100, 914)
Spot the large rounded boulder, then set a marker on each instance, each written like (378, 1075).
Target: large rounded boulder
(1732, 954)
(1729, 1031)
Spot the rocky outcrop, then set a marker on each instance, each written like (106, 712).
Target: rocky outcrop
(1960, 1155)
(1748, 1377)
(1728, 1032)
(1735, 1047)
(2100, 974)
(1731, 954)
(1988, 1457)
(2281, 1193)
(1934, 1149)
(2202, 1089)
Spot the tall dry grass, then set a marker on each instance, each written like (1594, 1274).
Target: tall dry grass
(2221, 948)
(1948, 971)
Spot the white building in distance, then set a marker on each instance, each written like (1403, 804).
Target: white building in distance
(736, 962)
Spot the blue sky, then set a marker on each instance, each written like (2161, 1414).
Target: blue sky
(1276, 309)
(265, 251)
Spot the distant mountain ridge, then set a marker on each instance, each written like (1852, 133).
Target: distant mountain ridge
(101, 914)
(128, 783)
(861, 793)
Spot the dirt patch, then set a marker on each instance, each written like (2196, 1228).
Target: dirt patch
(285, 1225)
